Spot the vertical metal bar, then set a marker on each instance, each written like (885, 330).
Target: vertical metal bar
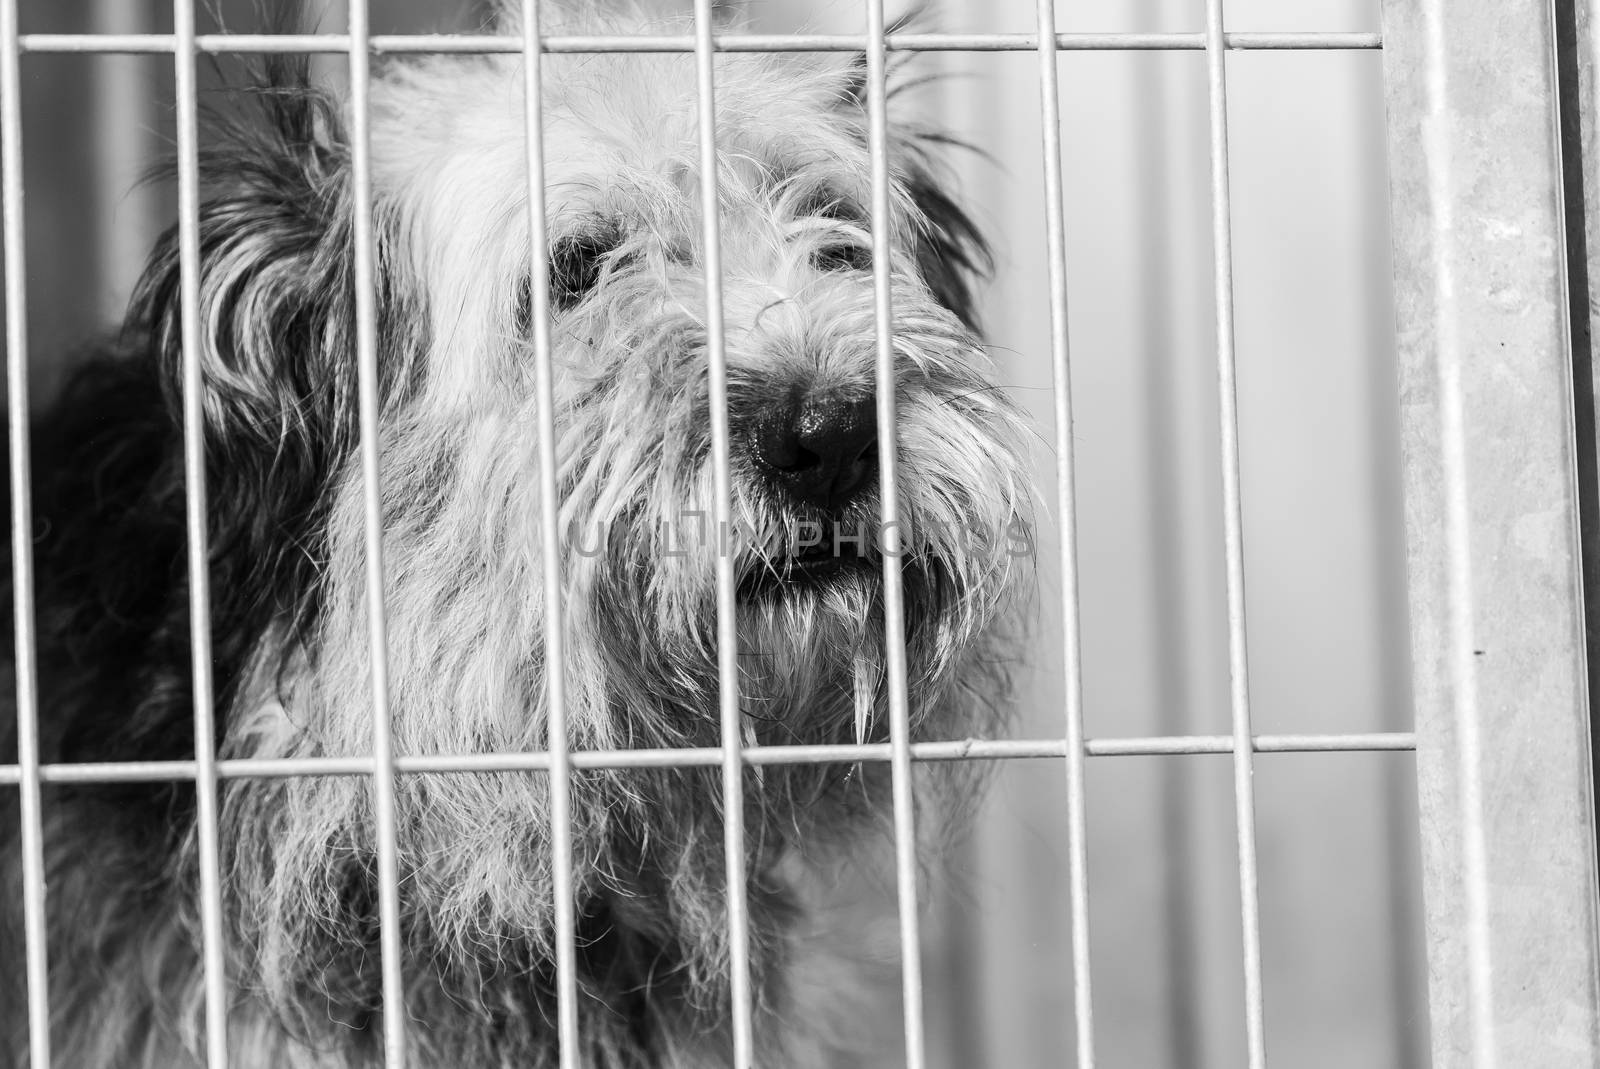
(1067, 502)
(194, 468)
(905, 839)
(383, 785)
(1233, 520)
(1492, 516)
(36, 967)
(555, 659)
(727, 620)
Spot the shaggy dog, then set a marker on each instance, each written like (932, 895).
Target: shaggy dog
(464, 592)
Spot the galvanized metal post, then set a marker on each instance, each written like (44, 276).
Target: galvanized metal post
(1492, 513)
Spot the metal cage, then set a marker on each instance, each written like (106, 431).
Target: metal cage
(1495, 197)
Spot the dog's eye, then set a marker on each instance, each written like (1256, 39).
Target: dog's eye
(575, 265)
(839, 253)
(842, 256)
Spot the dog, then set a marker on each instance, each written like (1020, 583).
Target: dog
(464, 593)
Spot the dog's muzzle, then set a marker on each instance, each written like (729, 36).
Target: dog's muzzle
(819, 449)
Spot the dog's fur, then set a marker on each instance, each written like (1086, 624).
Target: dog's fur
(464, 594)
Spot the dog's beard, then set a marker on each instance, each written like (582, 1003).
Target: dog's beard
(465, 611)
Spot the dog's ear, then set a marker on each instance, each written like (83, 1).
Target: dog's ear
(276, 344)
(853, 88)
(951, 252)
(276, 309)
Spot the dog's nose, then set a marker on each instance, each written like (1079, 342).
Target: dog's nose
(822, 448)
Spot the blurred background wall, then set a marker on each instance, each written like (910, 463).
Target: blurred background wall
(1324, 567)
(1339, 890)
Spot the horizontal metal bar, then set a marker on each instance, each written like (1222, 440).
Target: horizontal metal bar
(1223, 744)
(336, 43)
(710, 756)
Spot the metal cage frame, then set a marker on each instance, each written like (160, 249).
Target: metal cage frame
(1495, 379)
(1511, 925)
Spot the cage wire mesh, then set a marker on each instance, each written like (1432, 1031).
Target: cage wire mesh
(1151, 166)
